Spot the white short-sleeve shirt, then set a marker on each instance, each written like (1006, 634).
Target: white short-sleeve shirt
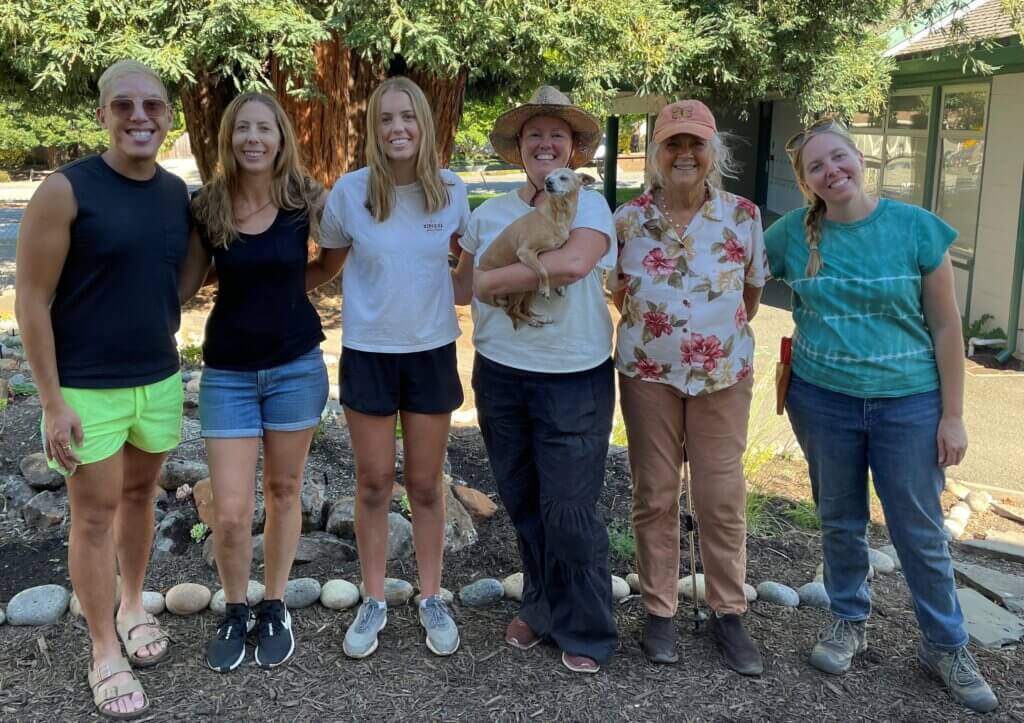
(397, 294)
(579, 336)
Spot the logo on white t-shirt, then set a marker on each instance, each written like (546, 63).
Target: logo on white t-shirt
(433, 227)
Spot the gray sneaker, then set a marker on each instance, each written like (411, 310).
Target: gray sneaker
(442, 635)
(361, 636)
(837, 643)
(959, 671)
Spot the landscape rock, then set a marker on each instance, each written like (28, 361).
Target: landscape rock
(778, 594)
(1003, 546)
(459, 531)
(339, 595)
(960, 513)
(396, 592)
(301, 593)
(890, 550)
(40, 605)
(153, 602)
(479, 506)
(313, 503)
(685, 587)
(259, 515)
(513, 586)
(341, 519)
(988, 624)
(400, 544)
(634, 583)
(1007, 590)
(813, 595)
(881, 562)
(954, 530)
(957, 489)
(978, 500)
(46, 509)
(620, 588)
(3, 616)
(173, 535)
(208, 552)
(749, 592)
(192, 385)
(35, 470)
(76, 608)
(481, 593)
(254, 593)
(178, 472)
(188, 598)
(322, 546)
(17, 490)
(202, 495)
(446, 595)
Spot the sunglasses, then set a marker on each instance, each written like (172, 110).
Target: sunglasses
(125, 107)
(822, 125)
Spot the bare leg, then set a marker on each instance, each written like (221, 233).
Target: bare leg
(284, 459)
(373, 441)
(233, 478)
(426, 437)
(94, 492)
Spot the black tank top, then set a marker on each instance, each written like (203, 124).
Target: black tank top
(115, 310)
(262, 317)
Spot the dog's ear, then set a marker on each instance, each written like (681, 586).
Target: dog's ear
(586, 180)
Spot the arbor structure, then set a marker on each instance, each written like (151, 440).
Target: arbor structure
(323, 57)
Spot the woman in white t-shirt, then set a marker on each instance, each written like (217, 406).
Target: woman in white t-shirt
(545, 395)
(395, 220)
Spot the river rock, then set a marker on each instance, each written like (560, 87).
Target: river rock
(339, 595)
(447, 596)
(46, 509)
(254, 592)
(513, 586)
(881, 562)
(301, 593)
(685, 587)
(749, 592)
(17, 490)
(341, 520)
(313, 504)
(259, 514)
(322, 546)
(978, 500)
(178, 472)
(778, 594)
(76, 607)
(34, 468)
(620, 588)
(396, 592)
(193, 384)
(959, 512)
(633, 580)
(479, 506)
(202, 495)
(3, 616)
(890, 550)
(208, 551)
(481, 593)
(153, 602)
(41, 605)
(400, 544)
(459, 531)
(173, 535)
(956, 488)
(813, 595)
(188, 598)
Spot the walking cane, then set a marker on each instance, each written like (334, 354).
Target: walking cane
(690, 523)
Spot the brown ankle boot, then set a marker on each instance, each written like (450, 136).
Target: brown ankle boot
(738, 650)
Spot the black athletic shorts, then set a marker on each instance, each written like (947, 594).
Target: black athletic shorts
(381, 384)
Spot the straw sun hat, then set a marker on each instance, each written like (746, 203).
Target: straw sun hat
(547, 100)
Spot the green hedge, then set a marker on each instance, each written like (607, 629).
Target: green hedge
(621, 196)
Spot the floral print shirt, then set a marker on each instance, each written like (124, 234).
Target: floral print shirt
(683, 319)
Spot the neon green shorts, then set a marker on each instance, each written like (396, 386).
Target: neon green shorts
(147, 417)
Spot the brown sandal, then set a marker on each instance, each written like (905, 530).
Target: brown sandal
(133, 645)
(103, 694)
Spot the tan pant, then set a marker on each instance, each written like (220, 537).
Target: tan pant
(659, 418)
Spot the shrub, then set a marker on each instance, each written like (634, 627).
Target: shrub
(621, 542)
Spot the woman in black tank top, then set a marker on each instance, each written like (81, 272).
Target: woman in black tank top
(264, 374)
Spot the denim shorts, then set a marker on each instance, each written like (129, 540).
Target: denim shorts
(285, 398)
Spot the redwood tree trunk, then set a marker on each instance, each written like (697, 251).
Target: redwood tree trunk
(446, 96)
(203, 103)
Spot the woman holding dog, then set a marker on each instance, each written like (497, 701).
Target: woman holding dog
(877, 387)
(689, 277)
(545, 393)
(395, 220)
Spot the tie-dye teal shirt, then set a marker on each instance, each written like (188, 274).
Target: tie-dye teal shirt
(860, 327)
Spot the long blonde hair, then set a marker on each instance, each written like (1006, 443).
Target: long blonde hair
(380, 189)
(290, 188)
(816, 205)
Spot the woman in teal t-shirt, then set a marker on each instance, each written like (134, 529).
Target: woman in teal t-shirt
(878, 380)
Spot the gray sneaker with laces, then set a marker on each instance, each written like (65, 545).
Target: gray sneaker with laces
(442, 634)
(959, 671)
(361, 636)
(838, 641)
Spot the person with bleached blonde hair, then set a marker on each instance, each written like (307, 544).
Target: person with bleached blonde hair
(264, 375)
(99, 253)
(394, 221)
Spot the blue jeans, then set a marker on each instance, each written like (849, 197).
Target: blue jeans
(843, 437)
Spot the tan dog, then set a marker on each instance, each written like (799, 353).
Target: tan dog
(543, 229)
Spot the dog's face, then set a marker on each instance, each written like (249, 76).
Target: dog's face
(565, 180)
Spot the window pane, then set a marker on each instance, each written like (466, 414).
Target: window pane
(960, 187)
(909, 112)
(905, 160)
(964, 110)
(870, 144)
(864, 120)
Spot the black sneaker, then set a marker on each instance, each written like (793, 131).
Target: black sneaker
(227, 651)
(274, 640)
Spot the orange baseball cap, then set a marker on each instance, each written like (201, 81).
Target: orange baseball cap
(684, 116)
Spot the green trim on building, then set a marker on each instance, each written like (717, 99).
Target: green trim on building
(951, 69)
